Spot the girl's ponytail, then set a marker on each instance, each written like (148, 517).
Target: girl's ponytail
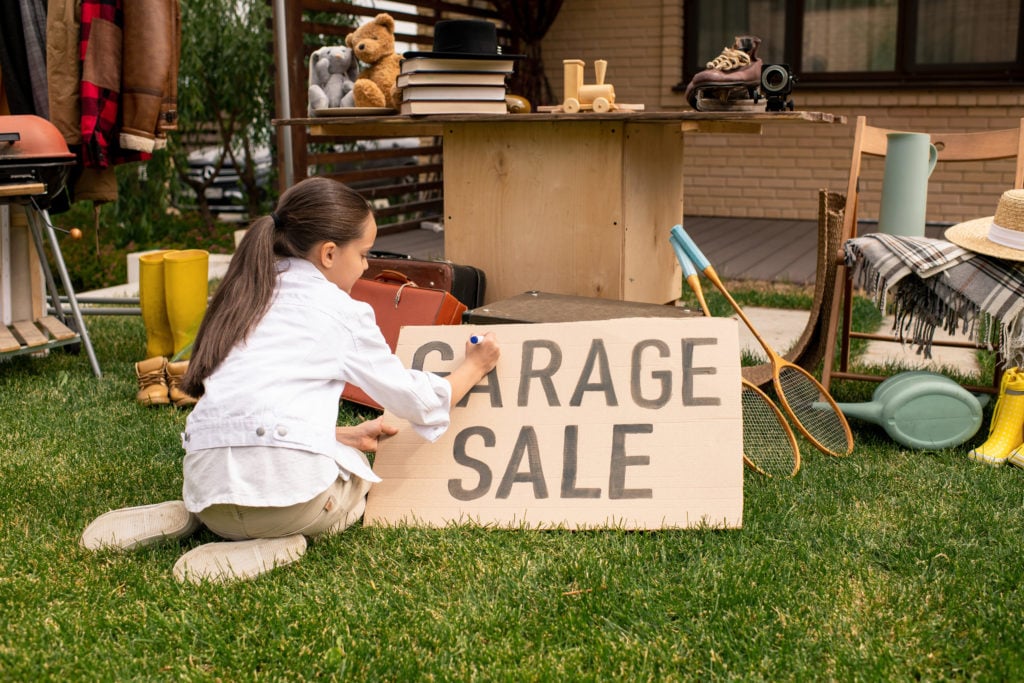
(240, 301)
(312, 211)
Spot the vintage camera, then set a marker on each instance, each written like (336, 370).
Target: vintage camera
(777, 81)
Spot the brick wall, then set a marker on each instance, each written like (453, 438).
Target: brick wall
(778, 174)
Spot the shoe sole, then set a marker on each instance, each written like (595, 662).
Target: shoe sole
(986, 459)
(140, 526)
(233, 560)
(1016, 459)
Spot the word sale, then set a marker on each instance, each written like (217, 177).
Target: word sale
(528, 446)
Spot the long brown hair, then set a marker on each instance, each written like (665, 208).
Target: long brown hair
(312, 211)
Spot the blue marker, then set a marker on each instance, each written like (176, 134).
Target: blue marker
(475, 339)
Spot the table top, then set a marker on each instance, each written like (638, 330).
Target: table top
(546, 307)
(434, 124)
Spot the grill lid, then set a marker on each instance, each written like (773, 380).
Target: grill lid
(32, 150)
(25, 139)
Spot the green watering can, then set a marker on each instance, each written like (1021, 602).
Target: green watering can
(921, 409)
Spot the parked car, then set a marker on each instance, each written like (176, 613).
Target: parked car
(226, 194)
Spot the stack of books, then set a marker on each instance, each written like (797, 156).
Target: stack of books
(453, 86)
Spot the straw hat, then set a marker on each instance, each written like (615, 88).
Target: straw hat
(1001, 235)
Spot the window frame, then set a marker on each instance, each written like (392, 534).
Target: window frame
(906, 74)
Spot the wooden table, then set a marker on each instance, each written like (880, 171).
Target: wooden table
(576, 204)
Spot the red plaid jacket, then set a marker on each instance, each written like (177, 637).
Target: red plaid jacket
(100, 51)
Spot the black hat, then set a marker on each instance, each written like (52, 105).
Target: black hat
(464, 39)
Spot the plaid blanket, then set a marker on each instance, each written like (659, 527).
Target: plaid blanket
(935, 284)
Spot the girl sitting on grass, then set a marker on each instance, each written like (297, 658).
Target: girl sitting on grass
(265, 464)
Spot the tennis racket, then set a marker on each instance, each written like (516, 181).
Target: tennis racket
(824, 424)
(769, 447)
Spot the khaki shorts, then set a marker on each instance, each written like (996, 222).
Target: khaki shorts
(330, 512)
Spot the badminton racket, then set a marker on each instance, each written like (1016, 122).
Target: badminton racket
(769, 446)
(824, 424)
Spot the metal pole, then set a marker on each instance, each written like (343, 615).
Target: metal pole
(101, 310)
(51, 284)
(40, 215)
(284, 107)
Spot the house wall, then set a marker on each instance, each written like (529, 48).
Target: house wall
(778, 174)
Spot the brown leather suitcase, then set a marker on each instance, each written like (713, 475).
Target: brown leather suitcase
(466, 283)
(398, 302)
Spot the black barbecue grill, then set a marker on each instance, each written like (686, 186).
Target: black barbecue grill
(34, 166)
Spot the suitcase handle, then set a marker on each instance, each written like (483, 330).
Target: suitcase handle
(393, 276)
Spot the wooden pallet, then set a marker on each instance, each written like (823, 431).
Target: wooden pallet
(28, 335)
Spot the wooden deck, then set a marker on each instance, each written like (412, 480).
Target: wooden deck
(739, 248)
(750, 249)
(758, 249)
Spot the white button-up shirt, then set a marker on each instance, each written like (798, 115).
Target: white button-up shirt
(280, 388)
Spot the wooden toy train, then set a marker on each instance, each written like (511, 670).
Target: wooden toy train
(579, 96)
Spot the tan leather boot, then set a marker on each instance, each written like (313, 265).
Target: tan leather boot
(152, 375)
(175, 376)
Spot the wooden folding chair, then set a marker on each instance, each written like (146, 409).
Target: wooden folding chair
(809, 349)
(952, 148)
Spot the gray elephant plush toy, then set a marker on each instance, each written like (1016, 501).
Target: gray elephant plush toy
(332, 71)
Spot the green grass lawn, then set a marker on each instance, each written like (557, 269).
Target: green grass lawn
(887, 565)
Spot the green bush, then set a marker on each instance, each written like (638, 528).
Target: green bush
(142, 218)
(94, 262)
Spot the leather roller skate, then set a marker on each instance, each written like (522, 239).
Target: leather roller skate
(731, 80)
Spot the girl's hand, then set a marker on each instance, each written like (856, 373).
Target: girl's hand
(484, 353)
(365, 436)
(481, 358)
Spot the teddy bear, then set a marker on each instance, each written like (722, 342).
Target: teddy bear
(332, 72)
(374, 44)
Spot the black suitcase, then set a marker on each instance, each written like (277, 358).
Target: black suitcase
(466, 283)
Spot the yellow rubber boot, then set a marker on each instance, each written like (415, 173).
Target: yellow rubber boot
(1006, 433)
(153, 304)
(186, 286)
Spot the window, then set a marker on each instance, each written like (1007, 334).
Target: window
(867, 42)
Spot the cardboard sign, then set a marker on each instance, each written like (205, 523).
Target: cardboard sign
(632, 423)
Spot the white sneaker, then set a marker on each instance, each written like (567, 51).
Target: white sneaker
(230, 560)
(140, 526)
